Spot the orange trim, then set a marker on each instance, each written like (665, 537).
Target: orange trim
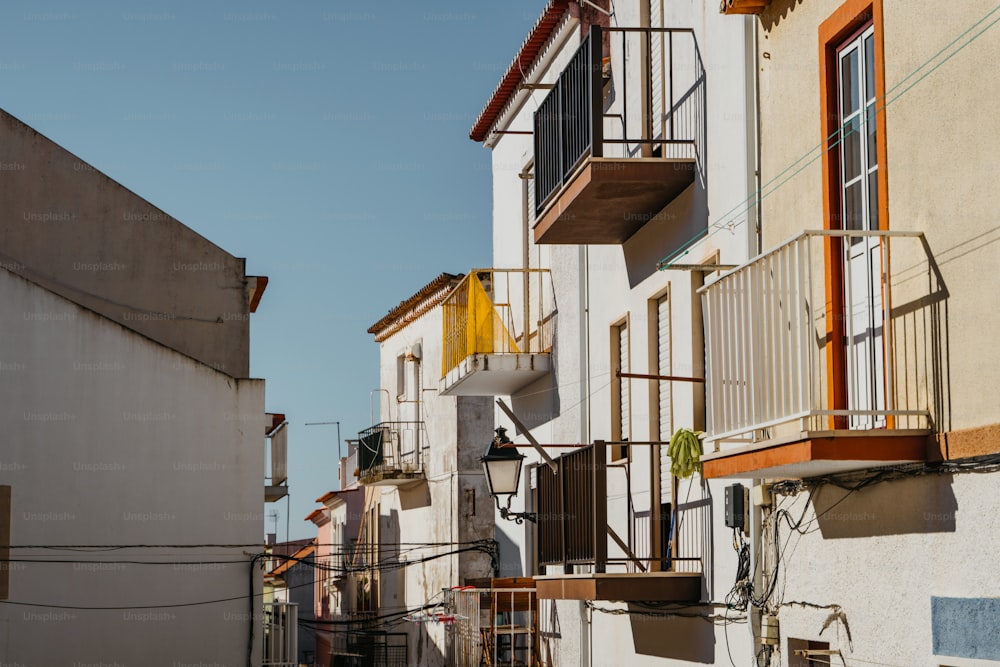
(847, 19)
(873, 449)
(257, 291)
(978, 441)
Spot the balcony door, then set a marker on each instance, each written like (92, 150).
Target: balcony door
(863, 310)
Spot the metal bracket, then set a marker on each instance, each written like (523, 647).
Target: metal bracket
(527, 434)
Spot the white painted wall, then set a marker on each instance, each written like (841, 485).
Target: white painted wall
(453, 506)
(597, 286)
(113, 439)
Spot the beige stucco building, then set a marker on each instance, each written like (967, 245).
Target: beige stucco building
(851, 364)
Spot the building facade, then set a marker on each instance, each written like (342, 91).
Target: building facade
(134, 434)
(338, 524)
(859, 407)
(623, 151)
(426, 522)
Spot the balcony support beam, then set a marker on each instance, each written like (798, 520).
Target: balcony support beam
(527, 434)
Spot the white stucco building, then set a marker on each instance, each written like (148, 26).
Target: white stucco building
(623, 150)
(132, 473)
(426, 524)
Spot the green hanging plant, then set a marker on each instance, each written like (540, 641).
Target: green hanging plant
(685, 453)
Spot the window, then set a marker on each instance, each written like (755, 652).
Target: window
(621, 422)
(807, 653)
(661, 394)
(401, 377)
(852, 83)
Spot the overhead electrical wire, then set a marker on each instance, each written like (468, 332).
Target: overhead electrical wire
(733, 218)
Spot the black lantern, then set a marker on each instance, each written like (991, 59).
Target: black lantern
(502, 465)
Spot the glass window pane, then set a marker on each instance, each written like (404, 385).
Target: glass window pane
(853, 203)
(849, 82)
(873, 200)
(869, 67)
(851, 148)
(872, 137)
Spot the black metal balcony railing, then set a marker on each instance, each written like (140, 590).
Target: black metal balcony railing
(572, 509)
(569, 124)
(391, 450)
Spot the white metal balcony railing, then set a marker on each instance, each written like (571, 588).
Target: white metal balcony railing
(281, 641)
(768, 325)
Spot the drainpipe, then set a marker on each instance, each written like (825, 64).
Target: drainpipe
(754, 248)
(584, 282)
(752, 105)
(525, 277)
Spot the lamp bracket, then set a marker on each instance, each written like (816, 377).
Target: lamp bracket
(516, 517)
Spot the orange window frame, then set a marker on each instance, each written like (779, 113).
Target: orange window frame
(848, 19)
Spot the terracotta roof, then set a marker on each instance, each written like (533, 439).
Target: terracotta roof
(410, 309)
(532, 47)
(301, 554)
(276, 419)
(317, 515)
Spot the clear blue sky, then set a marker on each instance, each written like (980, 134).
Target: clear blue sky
(326, 142)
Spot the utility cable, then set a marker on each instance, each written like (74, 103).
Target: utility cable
(726, 222)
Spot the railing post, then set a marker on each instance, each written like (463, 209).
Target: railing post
(600, 500)
(595, 81)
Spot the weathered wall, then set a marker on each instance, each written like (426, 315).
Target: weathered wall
(113, 439)
(70, 228)
(452, 507)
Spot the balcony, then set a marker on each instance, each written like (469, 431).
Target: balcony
(739, 7)
(821, 356)
(497, 332)
(391, 454)
(611, 153)
(493, 622)
(281, 641)
(276, 485)
(573, 531)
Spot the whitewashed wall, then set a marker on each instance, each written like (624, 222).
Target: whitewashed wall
(453, 506)
(597, 286)
(113, 439)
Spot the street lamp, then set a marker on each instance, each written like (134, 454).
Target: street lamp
(502, 465)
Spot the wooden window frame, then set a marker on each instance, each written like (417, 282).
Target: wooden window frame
(620, 453)
(851, 17)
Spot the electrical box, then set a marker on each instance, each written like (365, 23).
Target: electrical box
(736, 506)
(769, 630)
(761, 495)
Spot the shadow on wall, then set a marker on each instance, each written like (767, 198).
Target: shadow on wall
(685, 219)
(537, 403)
(690, 639)
(415, 496)
(549, 631)
(508, 556)
(924, 504)
(776, 12)
(427, 652)
(921, 337)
